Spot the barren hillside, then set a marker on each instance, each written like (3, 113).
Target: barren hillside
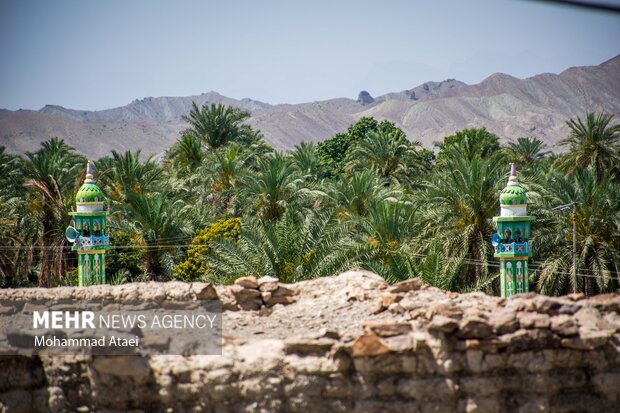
(510, 107)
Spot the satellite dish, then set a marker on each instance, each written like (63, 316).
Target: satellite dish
(71, 234)
(495, 239)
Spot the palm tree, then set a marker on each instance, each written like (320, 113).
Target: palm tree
(218, 180)
(597, 227)
(459, 202)
(470, 144)
(162, 224)
(388, 154)
(293, 249)
(127, 175)
(387, 233)
(355, 195)
(525, 150)
(274, 186)
(594, 142)
(53, 174)
(186, 154)
(226, 168)
(18, 231)
(216, 125)
(306, 160)
(11, 176)
(439, 268)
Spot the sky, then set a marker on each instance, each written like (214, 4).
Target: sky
(95, 55)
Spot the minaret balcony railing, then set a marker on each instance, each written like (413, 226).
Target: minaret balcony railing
(514, 248)
(92, 241)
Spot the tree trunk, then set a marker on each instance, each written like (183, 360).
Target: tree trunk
(51, 252)
(47, 253)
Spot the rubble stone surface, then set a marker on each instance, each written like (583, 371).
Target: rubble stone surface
(348, 343)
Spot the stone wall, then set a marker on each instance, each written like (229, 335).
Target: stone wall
(349, 343)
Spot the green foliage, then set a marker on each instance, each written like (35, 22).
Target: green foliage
(217, 125)
(469, 143)
(305, 158)
(186, 154)
(427, 158)
(15, 232)
(383, 144)
(70, 279)
(196, 267)
(162, 224)
(124, 254)
(355, 195)
(11, 175)
(386, 152)
(594, 142)
(598, 232)
(333, 152)
(226, 168)
(126, 175)
(53, 174)
(440, 269)
(119, 277)
(459, 202)
(524, 151)
(368, 198)
(360, 129)
(387, 232)
(293, 249)
(273, 187)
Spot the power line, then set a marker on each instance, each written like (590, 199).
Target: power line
(535, 266)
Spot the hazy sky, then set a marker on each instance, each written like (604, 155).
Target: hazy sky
(101, 54)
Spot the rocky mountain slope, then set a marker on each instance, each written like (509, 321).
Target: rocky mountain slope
(510, 107)
(348, 343)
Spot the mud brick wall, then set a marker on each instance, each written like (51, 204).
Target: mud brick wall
(359, 346)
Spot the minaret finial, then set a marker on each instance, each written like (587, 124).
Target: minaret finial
(512, 179)
(89, 173)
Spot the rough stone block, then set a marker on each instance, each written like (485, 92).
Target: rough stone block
(267, 283)
(413, 284)
(369, 344)
(203, 291)
(443, 323)
(124, 366)
(474, 327)
(388, 329)
(564, 325)
(247, 282)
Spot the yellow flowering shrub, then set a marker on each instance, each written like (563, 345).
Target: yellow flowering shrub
(196, 266)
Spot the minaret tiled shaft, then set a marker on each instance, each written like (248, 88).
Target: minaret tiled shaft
(512, 243)
(88, 231)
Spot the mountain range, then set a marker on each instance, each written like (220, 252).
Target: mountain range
(536, 106)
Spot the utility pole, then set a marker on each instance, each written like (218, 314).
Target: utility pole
(575, 247)
(566, 206)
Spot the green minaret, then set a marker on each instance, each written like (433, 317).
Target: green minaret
(512, 241)
(88, 231)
